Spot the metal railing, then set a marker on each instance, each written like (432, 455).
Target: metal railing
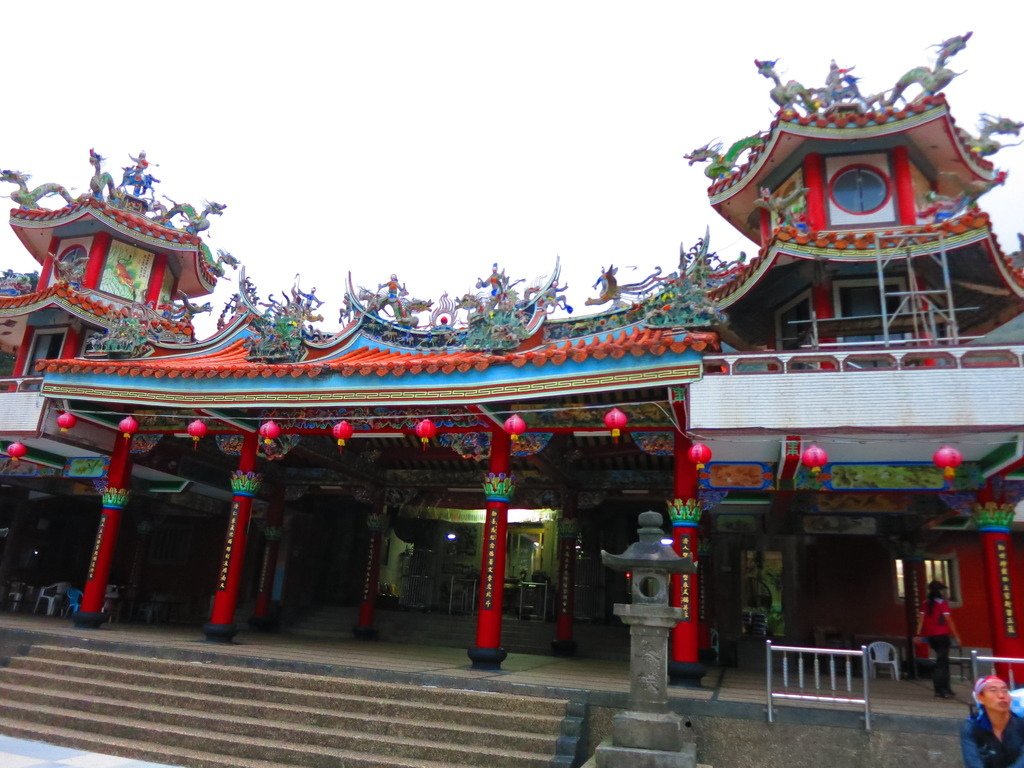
(976, 666)
(832, 685)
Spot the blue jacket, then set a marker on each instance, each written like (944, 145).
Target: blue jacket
(982, 749)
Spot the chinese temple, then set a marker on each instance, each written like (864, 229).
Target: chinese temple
(830, 424)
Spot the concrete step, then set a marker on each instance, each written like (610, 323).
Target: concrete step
(242, 737)
(236, 715)
(218, 679)
(186, 709)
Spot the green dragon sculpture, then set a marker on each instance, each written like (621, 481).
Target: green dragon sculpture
(723, 164)
(100, 178)
(931, 79)
(29, 199)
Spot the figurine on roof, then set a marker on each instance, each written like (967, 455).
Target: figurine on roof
(29, 199)
(615, 293)
(18, 283)
(195, 222)
(841, 91)
(931, 79)
(723, 164)
(989, 126)
(791, 94)
(394, 296)
(100, 178)
(786, 210)
(138, 177)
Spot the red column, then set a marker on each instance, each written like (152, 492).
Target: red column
(156, 281)
(97, 257)
(245, 483)
(814, 180)
(377, 523)
(824, 307)
(568, 531)
(47, 270)
(499, 486)
(906, 205)
(765, 222)
(261, 616)
(685, 668)
(994, 521)
(90, 615)
(22, 359)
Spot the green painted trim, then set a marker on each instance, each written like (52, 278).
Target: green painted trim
(37, 456)
(734, 499)
(999, 456)
(246, 425)
(165, 486)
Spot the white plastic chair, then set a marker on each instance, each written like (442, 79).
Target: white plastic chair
(53, 596)
(883, 654)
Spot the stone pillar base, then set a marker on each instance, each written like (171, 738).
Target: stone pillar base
(686, 673)
(610, 756)
(487, 658)
(85, 620)
(219, 633)
(659, 731)
(563, 647)
(364, 633)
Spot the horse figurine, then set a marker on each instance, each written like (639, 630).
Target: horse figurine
(29, 199)
(787, 96)
(139, 181)
(841, 90)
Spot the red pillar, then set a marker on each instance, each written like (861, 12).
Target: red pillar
(156, 281)
(765, 222)
(97, 257)
(245, 483)
(814, 180)
(994, 521)
(906, 205)
(90, 615)
(261, 616)
(568, 531)
(377, 523)
(499, 485)
(824, 307)
(47, 270)
(684, 667)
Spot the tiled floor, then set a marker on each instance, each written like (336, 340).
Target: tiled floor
(19, 753)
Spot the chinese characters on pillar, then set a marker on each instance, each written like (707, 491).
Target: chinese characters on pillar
(686, 553)
(1002, 560)
(229, 546)
(492, 548)
(567, 563)
(96, 545)
(264, 568)
(370, 557)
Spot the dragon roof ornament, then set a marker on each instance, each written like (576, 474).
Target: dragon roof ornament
(282, 327)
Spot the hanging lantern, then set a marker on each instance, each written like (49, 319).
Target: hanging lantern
(615, 420)
(515, 426)
(16, 451)
(269, 431)
(342, 431)
(197, 431)
(66, 421)
(815, 458)
(948, 458)
(128, 426)
(425, 430)
(700, 455)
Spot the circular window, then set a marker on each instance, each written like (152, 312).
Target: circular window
(860, 189)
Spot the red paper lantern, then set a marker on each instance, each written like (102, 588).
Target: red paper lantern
(128, 426)
(700, 455)
(66, 421)
(16, 451)
(815, 458)
(197, 431)
(947, 458)
(615, 420)
(269, 431)
(515, 426)
(425, 430)
(342, 431)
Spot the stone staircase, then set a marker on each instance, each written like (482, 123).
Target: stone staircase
(207, 715)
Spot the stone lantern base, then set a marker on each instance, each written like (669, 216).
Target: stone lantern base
(610, 756)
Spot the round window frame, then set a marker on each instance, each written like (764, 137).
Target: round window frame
(878, 172)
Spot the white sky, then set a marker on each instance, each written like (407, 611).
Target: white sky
(431, 139)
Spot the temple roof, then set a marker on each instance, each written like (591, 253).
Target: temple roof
(86, 216)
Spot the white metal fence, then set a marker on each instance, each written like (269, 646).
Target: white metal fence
(817, 674)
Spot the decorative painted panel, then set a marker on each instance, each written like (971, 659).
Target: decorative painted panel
(736, 476)
(126, 271)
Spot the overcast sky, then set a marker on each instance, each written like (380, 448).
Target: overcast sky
(432, 139)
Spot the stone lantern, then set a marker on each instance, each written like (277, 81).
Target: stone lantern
(648, 735)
